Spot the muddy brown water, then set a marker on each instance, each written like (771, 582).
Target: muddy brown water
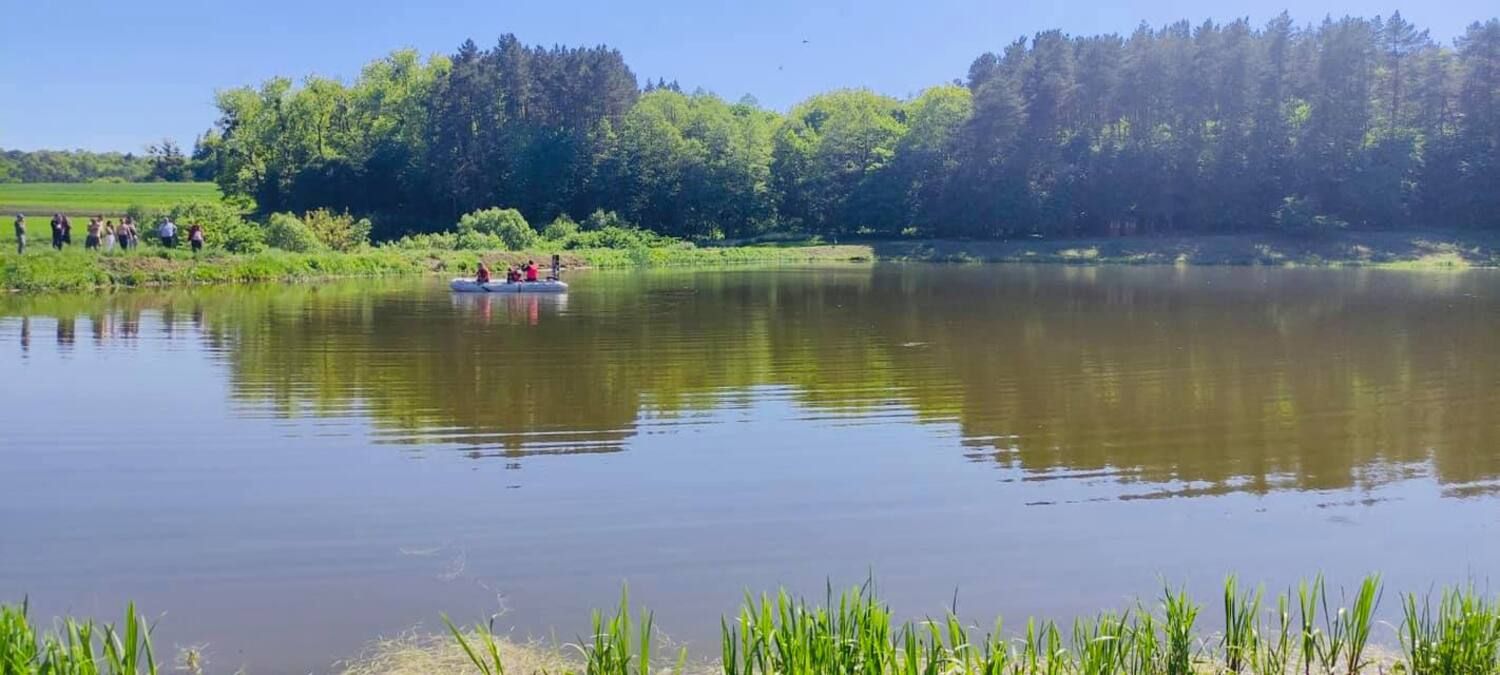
(281, 473)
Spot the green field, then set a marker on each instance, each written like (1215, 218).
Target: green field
(40, 200)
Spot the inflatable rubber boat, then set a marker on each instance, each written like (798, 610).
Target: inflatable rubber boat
(472, 286)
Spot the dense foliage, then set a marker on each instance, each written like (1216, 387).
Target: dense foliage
(1210, 128)
(162, 162)
(71, 166)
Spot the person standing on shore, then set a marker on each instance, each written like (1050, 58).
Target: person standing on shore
(91, 238)
(195, 237)
(110, 235)
(20, 233)
(67, 231)
(168, 233)
(126, 233)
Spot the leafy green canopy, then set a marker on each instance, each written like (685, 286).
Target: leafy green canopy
(1208, 128)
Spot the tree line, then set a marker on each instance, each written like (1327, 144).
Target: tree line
(162, 161)
(1218, 127)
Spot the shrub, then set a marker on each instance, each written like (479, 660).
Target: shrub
(617, 238)
(469, 240)
(427, 241)
(239, 236)
(506, 224)
(223, 226)
(560, 228)
(338, 231)
(288, 233)
(1300, 216)
(601, 219)
(146, 217)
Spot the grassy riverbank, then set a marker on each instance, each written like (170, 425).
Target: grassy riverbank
(75, 269)
(42, 269)
(1409, 248)
(1311, 629)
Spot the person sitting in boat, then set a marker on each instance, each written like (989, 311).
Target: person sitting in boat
(531, 270)
(483, 277)
(512, 275)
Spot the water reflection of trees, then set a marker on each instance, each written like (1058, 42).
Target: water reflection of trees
(1225, 378)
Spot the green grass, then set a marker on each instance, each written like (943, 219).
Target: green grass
(856, 633)
(1413, 249)
(43, 269)
(75, 647)
(1457, 633)
(40, 200)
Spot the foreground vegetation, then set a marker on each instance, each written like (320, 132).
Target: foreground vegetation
(75, 647)
(40, 200)
(1307, 630)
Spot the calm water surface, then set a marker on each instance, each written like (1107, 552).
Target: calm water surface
(288, 472)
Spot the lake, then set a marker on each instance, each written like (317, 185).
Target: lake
(283, 473)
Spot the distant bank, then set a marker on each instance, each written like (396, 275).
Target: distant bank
(42, 269)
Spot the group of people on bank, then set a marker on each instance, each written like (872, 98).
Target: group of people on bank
(106, 235)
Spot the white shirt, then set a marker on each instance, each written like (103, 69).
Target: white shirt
(168, 229)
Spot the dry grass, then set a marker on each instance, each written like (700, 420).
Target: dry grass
(418, 654)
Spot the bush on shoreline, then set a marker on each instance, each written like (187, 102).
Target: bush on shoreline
(495, 228)
(288, 233)
(338, 231)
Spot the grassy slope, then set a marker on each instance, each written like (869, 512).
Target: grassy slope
(40, 200)
(77, 269)
(74, 269)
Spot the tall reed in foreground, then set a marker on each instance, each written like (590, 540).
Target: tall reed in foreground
(854, 633)
(1460, 635)
(617, 645)
(76, 647)
(1241, 614)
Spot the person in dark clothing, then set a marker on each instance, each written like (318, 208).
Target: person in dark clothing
(67, 231)
(20, 233)
(57, 231)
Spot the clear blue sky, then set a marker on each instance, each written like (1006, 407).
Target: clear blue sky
(114, 75)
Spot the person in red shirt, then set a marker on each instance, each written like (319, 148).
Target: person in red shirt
(484, 274)
(531, 270)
